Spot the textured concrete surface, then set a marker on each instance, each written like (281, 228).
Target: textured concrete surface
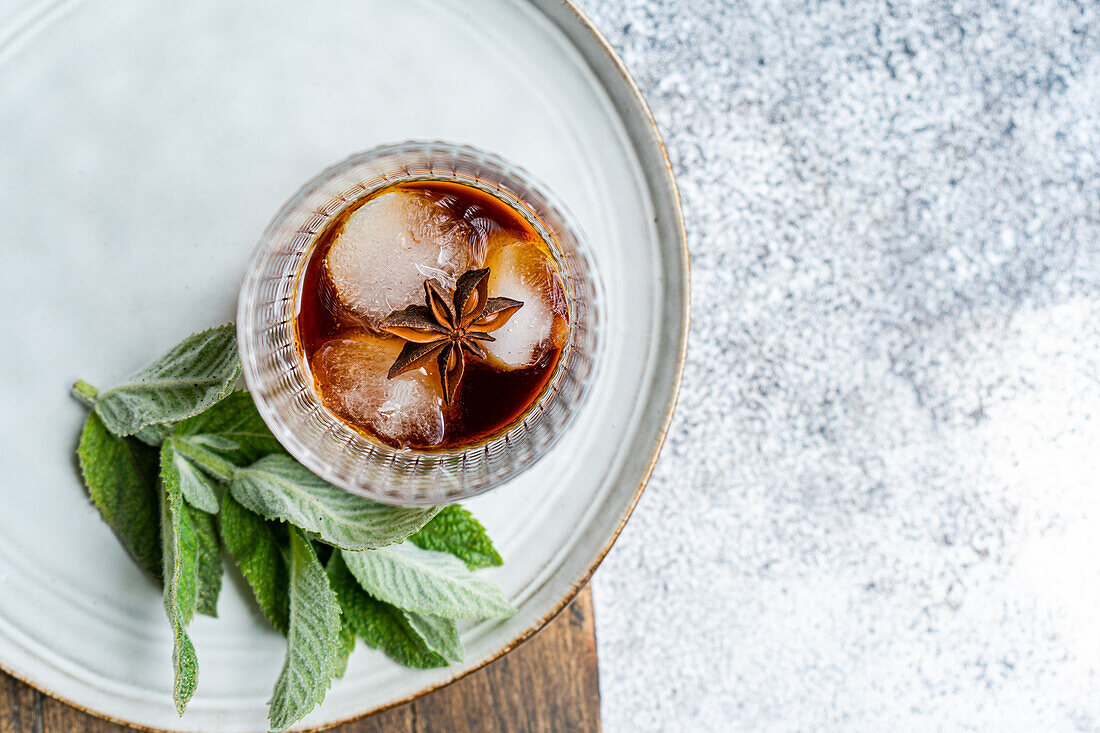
(879, 505)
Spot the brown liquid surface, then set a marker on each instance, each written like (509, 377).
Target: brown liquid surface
(488, 400)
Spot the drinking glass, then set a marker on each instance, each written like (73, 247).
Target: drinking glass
(278, 374)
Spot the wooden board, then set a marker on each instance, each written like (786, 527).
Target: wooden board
(548, 684)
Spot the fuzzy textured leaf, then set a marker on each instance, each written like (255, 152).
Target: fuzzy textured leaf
(232, 430)
(259, 555)
(379, 624)
(155, 434)
(209, 578)
(347, 646)
(181, 571)
(191, 377)
(278, 487)
(313, 642)
(437, 633)
(426, 582)
(120, 474)
(456, 531)
(196, 488)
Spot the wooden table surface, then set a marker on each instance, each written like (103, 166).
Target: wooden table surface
(547, 685)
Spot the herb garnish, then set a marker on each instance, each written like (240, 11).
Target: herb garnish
(222, 480)
(449, 325)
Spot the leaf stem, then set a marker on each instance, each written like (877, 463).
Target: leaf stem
(218, 467)
(85, 392)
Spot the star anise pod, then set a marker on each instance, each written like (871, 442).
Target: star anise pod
(448, 327)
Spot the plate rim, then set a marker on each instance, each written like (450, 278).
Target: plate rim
(39, 15)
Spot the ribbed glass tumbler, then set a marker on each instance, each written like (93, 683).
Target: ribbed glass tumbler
(279, 378)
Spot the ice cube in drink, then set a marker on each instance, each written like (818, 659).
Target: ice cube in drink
(405, 410)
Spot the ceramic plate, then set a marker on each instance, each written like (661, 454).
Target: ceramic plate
(145, 146)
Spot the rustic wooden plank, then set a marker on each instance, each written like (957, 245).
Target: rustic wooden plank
(20, 707)
(399, 720)
(57, 717)
(549, 684)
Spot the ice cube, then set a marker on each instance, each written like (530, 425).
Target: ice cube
(388, 247)
(407, 410)
(521, 270)
(480, 225)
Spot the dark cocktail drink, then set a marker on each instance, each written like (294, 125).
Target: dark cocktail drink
(432, 315)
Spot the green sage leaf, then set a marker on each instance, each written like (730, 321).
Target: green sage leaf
(209, 578)
(196, 488)
(232, 430)
(191, 377)
(347, 631)
(155, 434)
(379, 624)
(347, 646)
(181, 588)
(260, 557)
(120, 474)
(313, 642)
(278, 487)
(437, 633)
(426, 582)
(455, 530)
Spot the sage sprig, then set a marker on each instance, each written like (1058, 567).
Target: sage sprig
(278, 487)
(121, 476)
(313, 639)
(427, 582)
(196, 373)
(181, 466)
(181, 588)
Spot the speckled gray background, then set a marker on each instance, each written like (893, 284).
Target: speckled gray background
(878, 506)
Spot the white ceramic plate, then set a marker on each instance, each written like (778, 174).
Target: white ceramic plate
(145, 145)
